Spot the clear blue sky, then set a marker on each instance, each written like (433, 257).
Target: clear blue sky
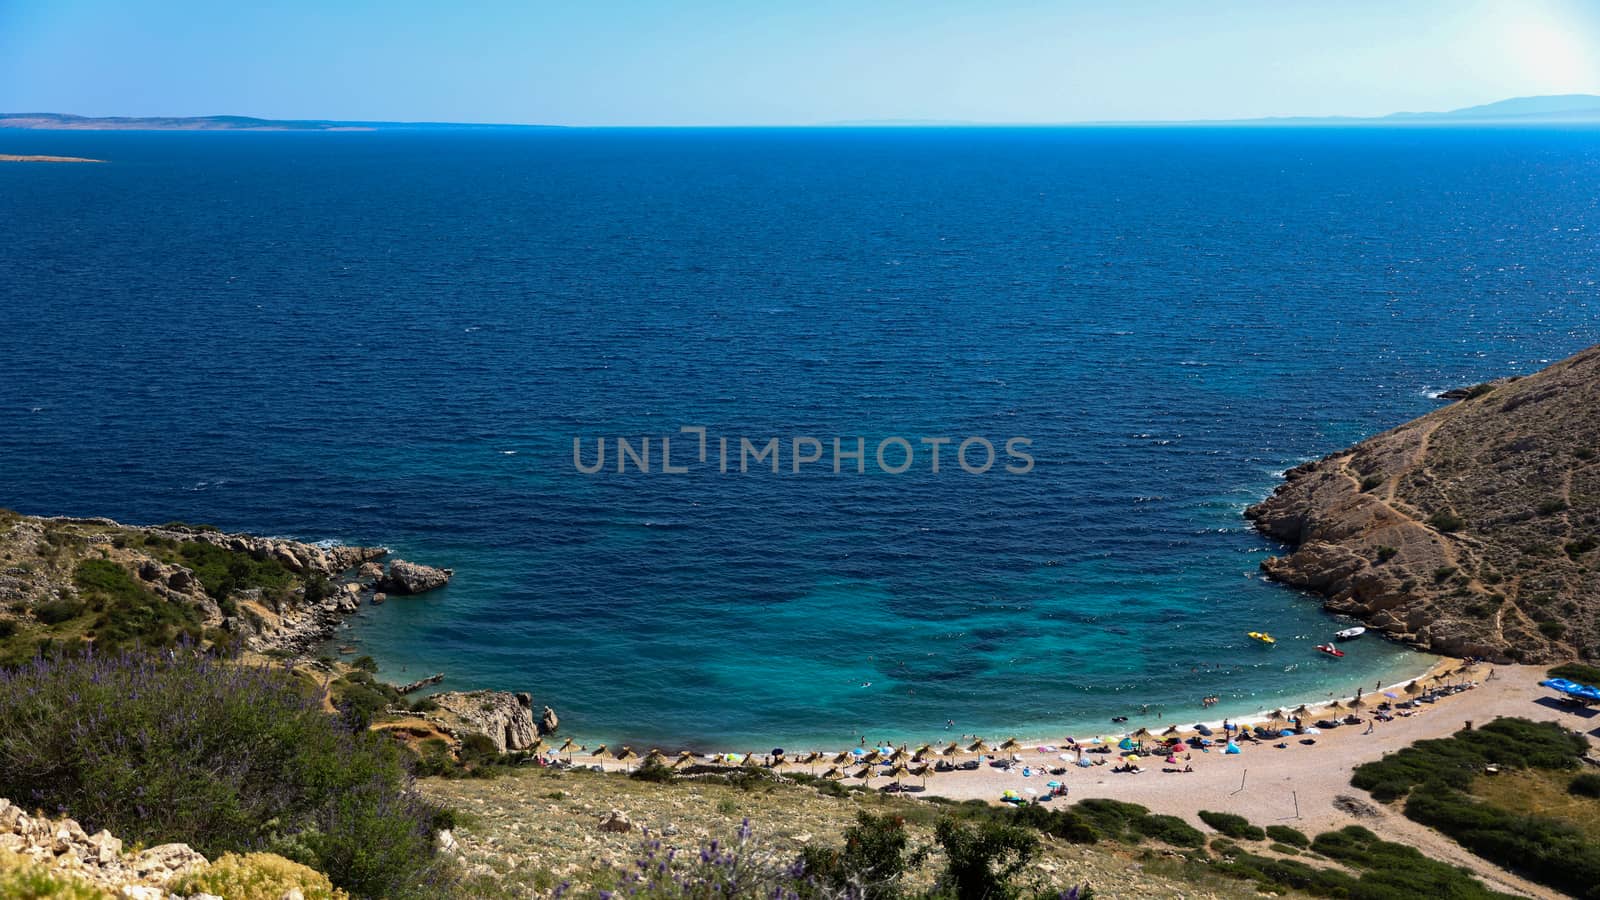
(707, 62)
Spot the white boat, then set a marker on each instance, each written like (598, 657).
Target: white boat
(1350, 634)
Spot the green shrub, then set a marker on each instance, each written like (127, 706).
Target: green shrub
(1585, 785)
(1579, 672)
(23, 879)
(1372, 481)
(1582, 545)
(1066, 824)
(127, 612)
(1171, 830)
(1552, 629)
(1540, 848)
(1391, 871)
(1446, 521)
(1234, 826)
(1551, 507)
(179, 747)
(1456, 760)
(981, 859)
(1386, 553)
(872, 862)
(55, 612)
(223, 572)
(1286, 835)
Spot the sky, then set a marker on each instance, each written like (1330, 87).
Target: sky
(777, 62)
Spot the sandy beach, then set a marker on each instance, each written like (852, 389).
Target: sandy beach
(1299, 785)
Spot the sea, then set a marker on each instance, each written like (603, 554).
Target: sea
(396, 338)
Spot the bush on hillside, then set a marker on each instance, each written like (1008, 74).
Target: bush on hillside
(257, 876)
(1543, 849)
(1234, 826)
(1283, 834)
(1456, 760)
(178, 747)
(1585, 785)
(1583, 673)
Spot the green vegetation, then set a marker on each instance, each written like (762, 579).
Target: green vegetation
(1390, 870)
(1372, 482)
(1234, 826)
(1386, 553)
(1585, 785)
(1456, 760)
(1283, 834)
(1582, 673)
(981, 860)
(1541, 848)
(1478, 390)
(128, 613)
(1551, 507)
(875, 857)
(1446, 521)
(224, 573)
(1437, 778)
(226, 758)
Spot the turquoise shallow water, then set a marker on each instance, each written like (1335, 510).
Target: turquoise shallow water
(395, 337)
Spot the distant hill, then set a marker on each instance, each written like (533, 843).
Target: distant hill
(1552, 108)
(63, 122)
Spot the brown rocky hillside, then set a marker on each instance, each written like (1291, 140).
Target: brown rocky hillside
(1474, 530)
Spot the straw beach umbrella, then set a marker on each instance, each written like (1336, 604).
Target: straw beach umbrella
(924, 772)
(950, 749)
(626, 755)
(978, 746)
(843, 758)
(655, 756)
(899, 771)
(566, 747)
(1171, 731)
(1010, 744)
(1302, 711)
(599, 752)
(865, 775)
(683, 759)
(922, 752)
(833, 774)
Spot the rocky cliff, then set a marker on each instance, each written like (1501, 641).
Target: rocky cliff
(1474, 530)
(65, 580)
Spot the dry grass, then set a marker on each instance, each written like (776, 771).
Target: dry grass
(1542, 793)
(530, 831)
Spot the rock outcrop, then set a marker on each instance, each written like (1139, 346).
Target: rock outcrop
(503, 717)
(412, 578)
(1472, 531)
(61, 846)
(307, 591)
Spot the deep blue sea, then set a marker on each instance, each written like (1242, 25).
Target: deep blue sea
(394, 338)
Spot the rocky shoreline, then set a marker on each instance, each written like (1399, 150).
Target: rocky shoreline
(1472, 531)
(288, 605)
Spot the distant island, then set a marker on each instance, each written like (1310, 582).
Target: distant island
(12, 157)
(63, 122)
(1563, 109)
